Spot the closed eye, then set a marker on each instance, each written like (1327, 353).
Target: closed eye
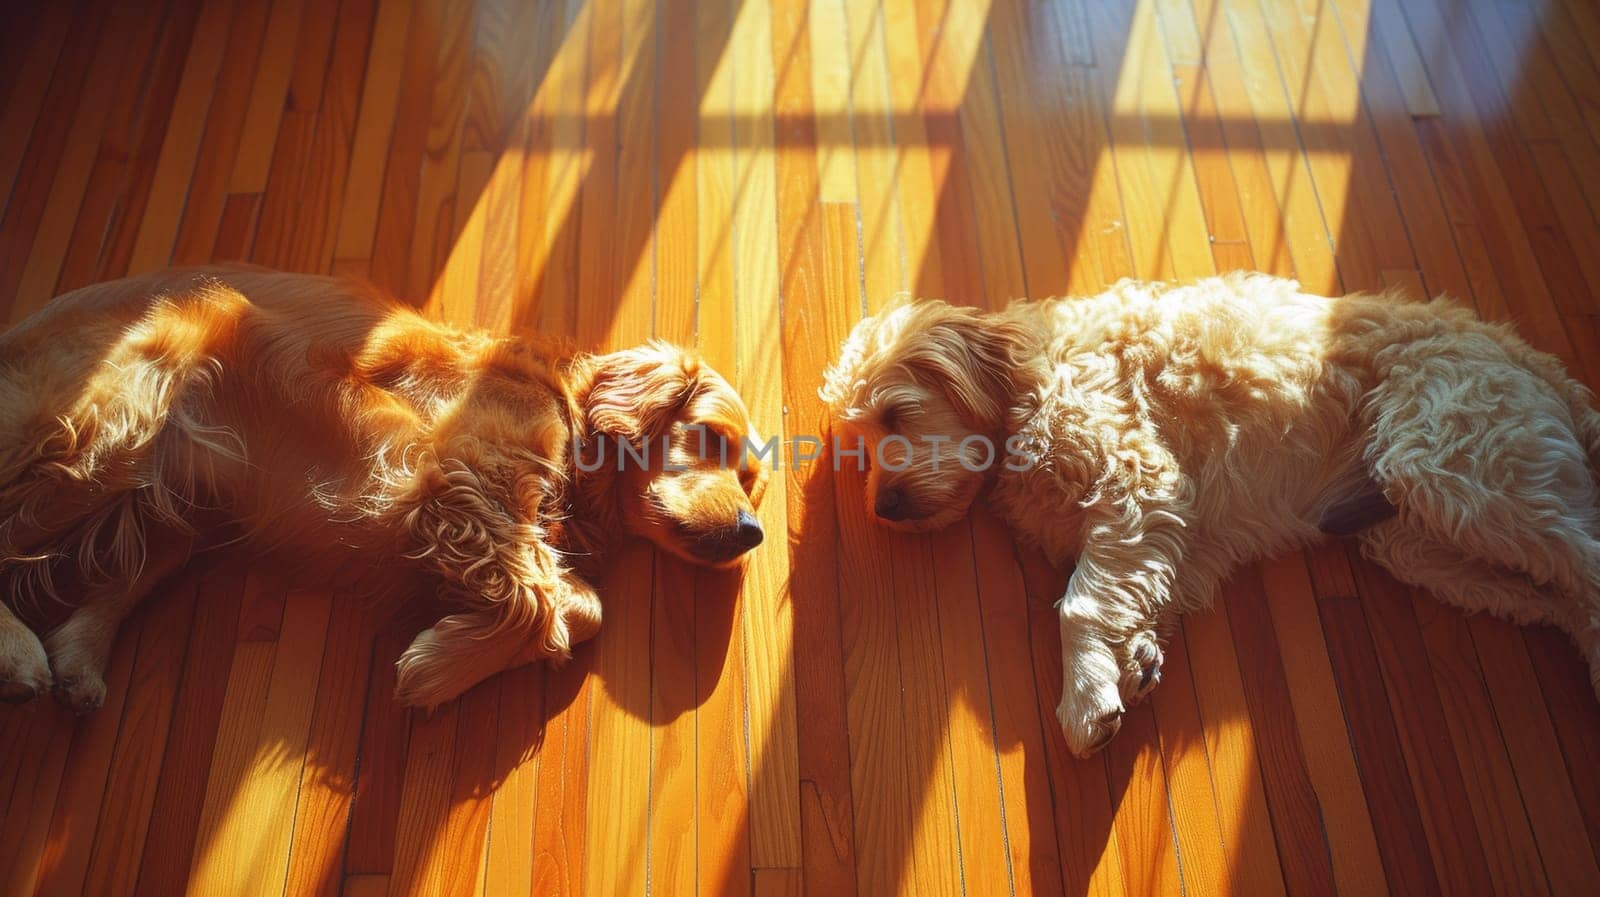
(713, 444)
(891, 416)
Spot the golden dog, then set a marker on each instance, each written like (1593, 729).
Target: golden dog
(1164, 435)
(355, 438)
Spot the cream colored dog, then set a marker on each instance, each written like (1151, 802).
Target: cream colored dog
(1164, 435)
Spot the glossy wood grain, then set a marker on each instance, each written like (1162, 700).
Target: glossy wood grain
(859, 712)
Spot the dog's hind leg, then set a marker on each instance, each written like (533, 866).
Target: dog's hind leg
(1473, 585)
(24, 669)
(1497, 502)
(80, 648)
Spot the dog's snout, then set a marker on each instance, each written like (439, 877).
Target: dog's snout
(891, 504)
(748, 533)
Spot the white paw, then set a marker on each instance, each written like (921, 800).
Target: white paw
(78, 657)
(24, 667)
(1090, 718)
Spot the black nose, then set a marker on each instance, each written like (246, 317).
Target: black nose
(890, 505)
(748, 534)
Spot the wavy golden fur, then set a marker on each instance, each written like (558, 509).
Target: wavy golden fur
(1168, 434)
(353, 438)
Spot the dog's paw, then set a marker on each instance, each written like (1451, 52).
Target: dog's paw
(78, 656)
(1141, 667)
(581, 611)
(24, 667)
(1089, 721)
(420, 676)
(80, 693)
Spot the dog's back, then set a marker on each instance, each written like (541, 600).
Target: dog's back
(272, 394)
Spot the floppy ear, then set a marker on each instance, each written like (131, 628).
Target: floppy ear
(493, 560)
(634, 393)
(975, 358)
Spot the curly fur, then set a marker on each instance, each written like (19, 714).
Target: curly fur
(1178, 431)
(340, 429)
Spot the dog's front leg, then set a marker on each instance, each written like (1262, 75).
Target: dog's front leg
(461, 650)
(519, 601)
(1119, 592)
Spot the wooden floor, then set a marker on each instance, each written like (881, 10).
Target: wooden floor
(864, 713)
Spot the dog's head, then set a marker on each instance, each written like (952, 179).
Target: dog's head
(927, 388)
(668, 436)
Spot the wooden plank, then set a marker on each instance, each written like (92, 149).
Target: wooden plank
(1346, 164)
(982, 155)
(120, 185)
(385, 735)
(1412, 180)
(264, 110)
(721, 803)
(1020, 730)
(676, 165)
(882, 763)
(425, 801)
(1196, 808)
(1557, 69)
(508, 865)
(1396, 820)
(309, 158)
(558, 832)
(28, 82)
(390, 245)
(917, 191)
(152, 247)
(379, 104)
(32, 175)
(327, 782)
(876, 116)
(1142, 820)
(1542, 782)
(674, 773)
(1306, 842)
(1325, 742)
(1049, 160)
(1564, 679)
(1234, 755)
(159, 855)
(947, 59)
(65, 861)
(1244, 70)
(982, 827)
(1491, 786)
(1155, 177)
(1482, 151)
(768, 622)
(246, 829)
(812, 323)
(41, 762)
(831, 72)
(126, 36)
(1091, 855)
(432, 229)
(450, 838)
(219, 144)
